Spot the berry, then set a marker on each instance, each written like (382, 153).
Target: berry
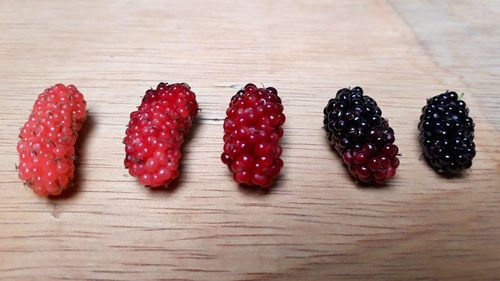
(356, 129)
(156, 132)
(252, 131)
(447, 133)
(46, 146)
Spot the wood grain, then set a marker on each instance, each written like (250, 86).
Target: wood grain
(316, 224)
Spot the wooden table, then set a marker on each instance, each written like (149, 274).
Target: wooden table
(316, 224)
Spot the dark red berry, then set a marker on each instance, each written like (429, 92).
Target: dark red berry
(356, 129)
(252, 131)
(360, 158)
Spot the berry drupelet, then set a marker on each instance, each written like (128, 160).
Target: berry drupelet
(363, 138)
(447, 133)
(47, 140)
(252, 131)
(156, 132)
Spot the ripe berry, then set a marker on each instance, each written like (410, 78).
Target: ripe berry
(46, 146)
(356, 129)
(252, 131)
(447, 133)
(156, 132)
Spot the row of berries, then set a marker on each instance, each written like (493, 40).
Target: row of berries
(353, 123)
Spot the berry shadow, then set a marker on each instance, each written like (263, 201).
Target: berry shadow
(386, 185)
(172, 186)
(255, 191)
(80, 149)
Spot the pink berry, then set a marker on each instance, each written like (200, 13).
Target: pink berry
(46, 151)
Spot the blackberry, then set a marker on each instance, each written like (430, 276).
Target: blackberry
(363, 138)
(447, 133)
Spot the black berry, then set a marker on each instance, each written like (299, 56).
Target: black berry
(447, 133)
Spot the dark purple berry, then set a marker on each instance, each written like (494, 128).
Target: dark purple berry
(447, 133)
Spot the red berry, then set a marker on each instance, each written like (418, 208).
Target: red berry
(391, 172)
(156, 132)
(374, 163)
(252, 131)
(389, 150)
(395, 163)
(384, 162)
(46, 151)
(360, 158)
(369, 149)
(363, 172)
(348, 157)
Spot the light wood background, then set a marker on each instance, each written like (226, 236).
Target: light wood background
(316, 224)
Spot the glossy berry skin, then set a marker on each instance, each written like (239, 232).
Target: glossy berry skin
(363, 138)
(447, 133)
(252, 131)
(156, 132)
(46, 146)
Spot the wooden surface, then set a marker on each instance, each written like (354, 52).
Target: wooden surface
(316, 224)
